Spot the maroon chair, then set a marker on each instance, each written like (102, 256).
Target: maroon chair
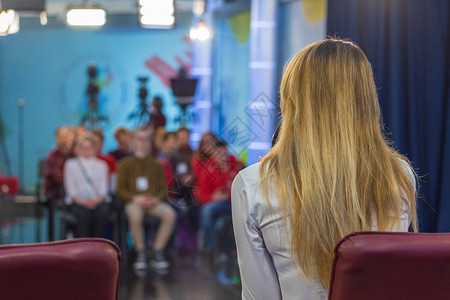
(71, 269)
(391, 265)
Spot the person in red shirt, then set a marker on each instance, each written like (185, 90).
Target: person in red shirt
(204, 152)
(215, 192)
(54, 173)
(108, 159)
(54, 164)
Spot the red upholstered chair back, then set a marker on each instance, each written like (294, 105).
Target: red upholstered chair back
(391, 265)
(72, 269)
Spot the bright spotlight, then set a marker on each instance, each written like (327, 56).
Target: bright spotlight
(200, 32)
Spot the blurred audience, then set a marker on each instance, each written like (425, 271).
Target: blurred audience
(142, 186)
(54, 165)
(148, 170)
(86, 186)
(124, 139)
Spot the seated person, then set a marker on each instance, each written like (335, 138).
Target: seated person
(107, 158)
(180, 163)
(205, 150)
(124, 138)
(54, 164)
(168, 144)
(86, 185)
(142, 185)
(215, 188)
(180, 158)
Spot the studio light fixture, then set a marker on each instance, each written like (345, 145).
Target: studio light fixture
(200, 32)
(157, 14)
(86, 15)
(9, 22)
(199, 7)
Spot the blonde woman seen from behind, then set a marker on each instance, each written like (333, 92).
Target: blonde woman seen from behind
(331, 173)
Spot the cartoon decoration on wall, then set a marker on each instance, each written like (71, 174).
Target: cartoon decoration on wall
(92, 92)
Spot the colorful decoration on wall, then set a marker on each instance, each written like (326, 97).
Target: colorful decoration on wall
(73, 99)
(315, 10)
(164, 70)
(240, 25)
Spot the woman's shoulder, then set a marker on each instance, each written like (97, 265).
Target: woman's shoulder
(250, 175)
(409, 171)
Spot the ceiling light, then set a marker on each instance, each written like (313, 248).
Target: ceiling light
(86, 15)
(9, 22)
(199, 7)
(156, 13)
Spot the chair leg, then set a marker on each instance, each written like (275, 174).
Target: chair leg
(123, 239)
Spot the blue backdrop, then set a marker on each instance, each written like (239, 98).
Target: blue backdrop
(408, 44)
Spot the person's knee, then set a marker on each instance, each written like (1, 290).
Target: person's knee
(170, 215)
(134, 213)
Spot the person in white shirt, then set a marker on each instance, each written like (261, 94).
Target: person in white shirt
(330, 173)
(86, 186)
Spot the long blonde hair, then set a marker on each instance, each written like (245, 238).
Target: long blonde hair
(332, 168)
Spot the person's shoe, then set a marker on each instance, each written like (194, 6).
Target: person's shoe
(141, 261)
(159, 261)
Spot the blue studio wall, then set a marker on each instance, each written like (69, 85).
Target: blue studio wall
(300, 23)
(231, 78)
(47, 67)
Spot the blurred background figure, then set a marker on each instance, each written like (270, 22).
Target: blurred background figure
(107, 158)
(157, 118)
(180, 162)
(214, 178)
(181, 191)
(79, 130)
(54, 166)
(86, 186)
(204, 151)
(143, 188)
(124, 139)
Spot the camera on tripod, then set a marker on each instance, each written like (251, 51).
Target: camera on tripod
(141, 114)
(92, 116)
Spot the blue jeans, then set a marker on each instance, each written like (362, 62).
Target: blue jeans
(209, 214)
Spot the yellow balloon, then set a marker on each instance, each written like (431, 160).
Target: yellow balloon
(315, 10)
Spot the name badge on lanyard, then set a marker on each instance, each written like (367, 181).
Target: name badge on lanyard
(182, 168)
(142, 184)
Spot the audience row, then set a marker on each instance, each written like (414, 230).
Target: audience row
(152, 172)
